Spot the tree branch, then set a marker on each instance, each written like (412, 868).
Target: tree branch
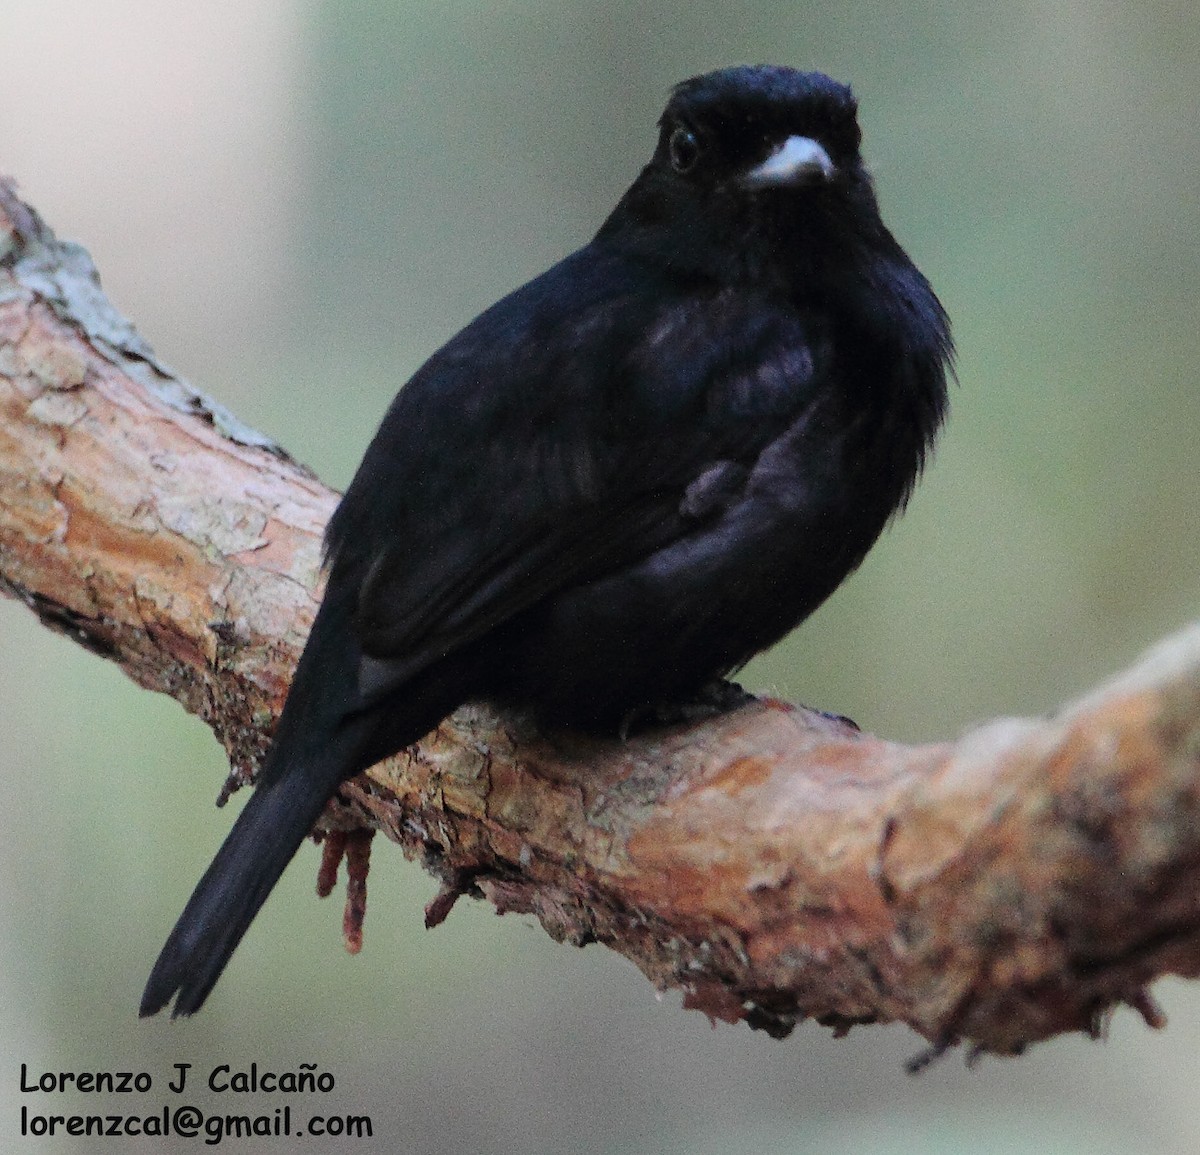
(772, 862)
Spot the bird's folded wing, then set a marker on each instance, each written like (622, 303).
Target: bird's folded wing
(447, 593)
(570, 480)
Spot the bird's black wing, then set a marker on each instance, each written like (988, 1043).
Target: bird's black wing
(539, 449)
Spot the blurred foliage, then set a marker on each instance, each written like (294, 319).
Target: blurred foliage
(405, 164)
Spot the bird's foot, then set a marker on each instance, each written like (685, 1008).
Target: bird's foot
(711, 700)
(830, 716)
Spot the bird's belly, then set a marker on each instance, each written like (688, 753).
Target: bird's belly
(659, 630)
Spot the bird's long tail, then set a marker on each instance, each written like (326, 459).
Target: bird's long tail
(318, 744)
(262, 842)
(327, 733)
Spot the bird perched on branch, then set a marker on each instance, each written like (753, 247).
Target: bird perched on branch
(619, 482)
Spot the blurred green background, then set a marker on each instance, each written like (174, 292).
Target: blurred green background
(297, 203)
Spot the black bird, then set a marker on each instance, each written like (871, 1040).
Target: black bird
(619, 482)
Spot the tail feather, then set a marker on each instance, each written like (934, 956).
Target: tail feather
(255, 853)
(326, 734)
(318, 744)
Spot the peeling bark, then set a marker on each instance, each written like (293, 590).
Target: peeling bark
(773, 863)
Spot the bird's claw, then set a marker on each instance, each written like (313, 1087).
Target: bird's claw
(713, 699)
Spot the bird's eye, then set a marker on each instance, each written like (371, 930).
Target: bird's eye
(684, 149)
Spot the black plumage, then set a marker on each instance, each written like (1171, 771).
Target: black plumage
(619, 482)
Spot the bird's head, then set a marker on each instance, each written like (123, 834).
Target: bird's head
(751, 160)
(760, 129)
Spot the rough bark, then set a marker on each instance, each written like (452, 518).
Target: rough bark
(772, 863)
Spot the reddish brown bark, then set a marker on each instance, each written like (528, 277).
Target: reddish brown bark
(772, 863)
